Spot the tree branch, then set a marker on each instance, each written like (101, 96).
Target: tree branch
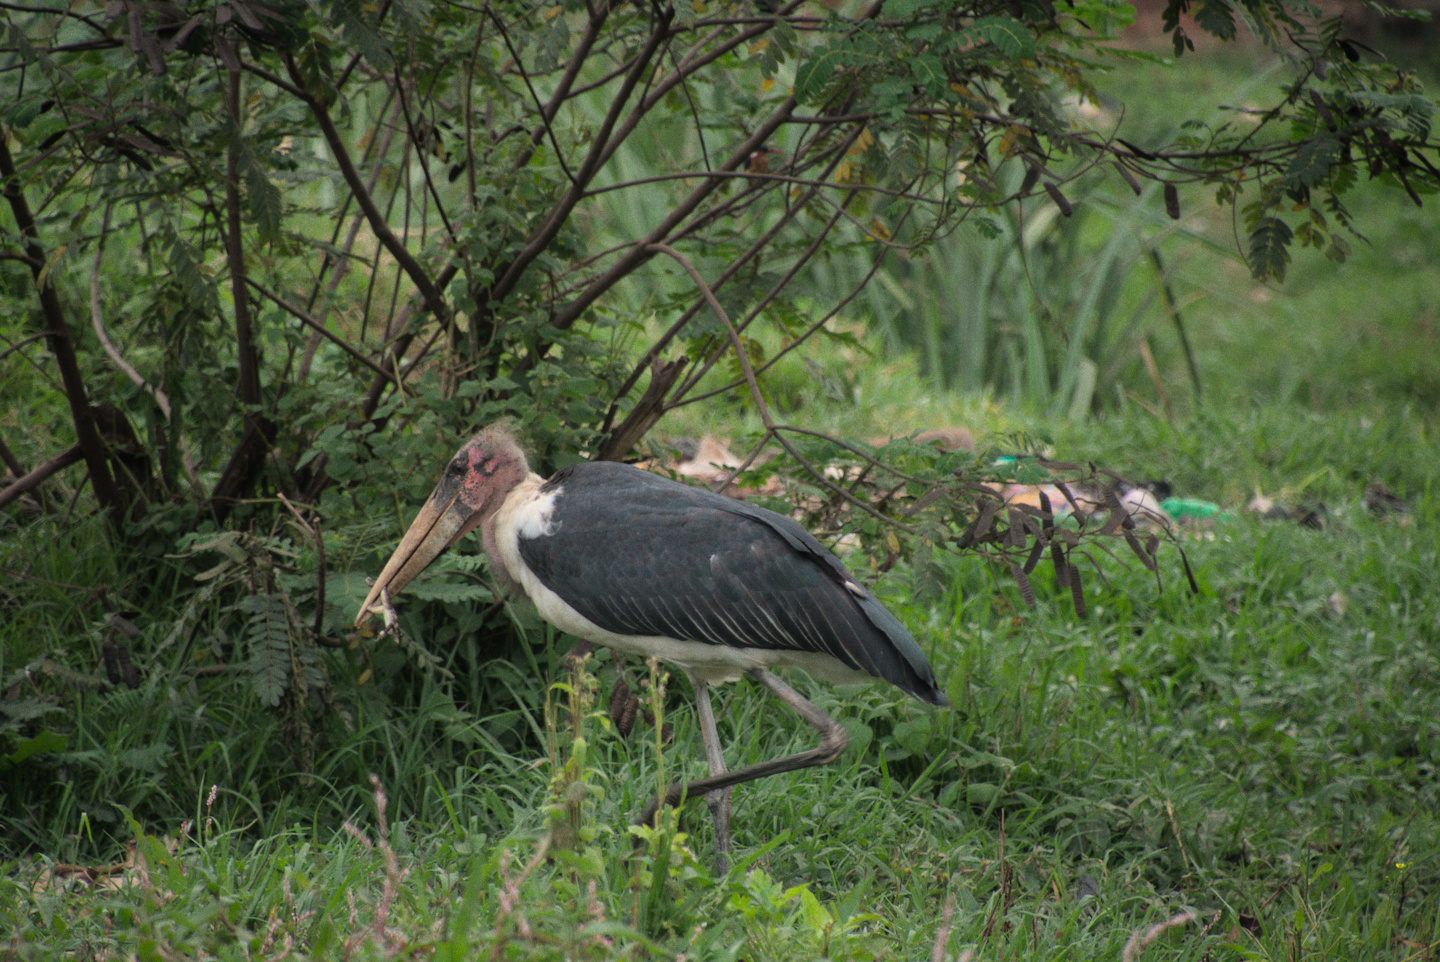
(61, 345)
(761, 408)
(731, 269)
(98, 322)
(380, 137)
(320, 330)
(550, 226)
(249, 455)
(646, 412)
(39, 474)
(434, 299)
(644, 250)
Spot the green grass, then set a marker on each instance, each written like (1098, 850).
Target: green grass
(1262, 751)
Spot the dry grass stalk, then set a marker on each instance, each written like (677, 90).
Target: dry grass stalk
(1140, 941)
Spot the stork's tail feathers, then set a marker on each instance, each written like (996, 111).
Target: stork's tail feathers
(909, 670)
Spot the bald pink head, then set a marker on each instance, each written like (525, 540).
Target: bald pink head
(472, 489)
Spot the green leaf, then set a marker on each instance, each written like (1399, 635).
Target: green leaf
(816, 916)
(900, 9)
(981, 793)
(449, 591)
(1269, 253)
(914, 735)
(269, 645)
(46, 741)
(930, 73)
(816, 72)
(1312, 162)
(262, 196)
(356, 30)
(1007, 34)
(1216, 17)
(198, 289)
(1400, 12)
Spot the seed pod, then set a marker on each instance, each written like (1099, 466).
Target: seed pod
(128, 671)
(1015, 534)
(982, 526)
(1059, 199)
(1027, 592)
(1069, 498)
(1032, 174)
(1035, 553)
(112, 662)
(1172, 202)
(1077, 592)
(622, 707)
(1129, 178)
(1189, 575)
(1146, 558)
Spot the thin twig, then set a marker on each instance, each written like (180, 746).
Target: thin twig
(434, 299)
(98, 322)
(530, 86)
(62, 346)
(23, 576)
(19, 344)
(761, 407)
(320, 329)
(767, 177)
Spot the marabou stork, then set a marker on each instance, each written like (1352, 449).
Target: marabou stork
(620, 557)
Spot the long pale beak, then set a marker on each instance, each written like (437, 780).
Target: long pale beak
(444, 520)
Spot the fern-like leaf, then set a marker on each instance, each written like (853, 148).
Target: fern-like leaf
(450, 591)
(1270, 249)
(269, 637)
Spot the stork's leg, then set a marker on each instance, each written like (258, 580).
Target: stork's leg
(832, 742)
(718, 800)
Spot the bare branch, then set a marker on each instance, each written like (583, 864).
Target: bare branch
(380, 140)
(772, 178)
(643, 251)
(434, 300)
(62, 346)
(321, 331)
(646, 412)
(39, 474)
(551, 224)
(19, 344)
(545, 116)
(248, 457)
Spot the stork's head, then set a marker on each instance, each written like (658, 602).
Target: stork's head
(475, 483)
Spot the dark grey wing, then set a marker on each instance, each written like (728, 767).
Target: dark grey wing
(639, 555)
